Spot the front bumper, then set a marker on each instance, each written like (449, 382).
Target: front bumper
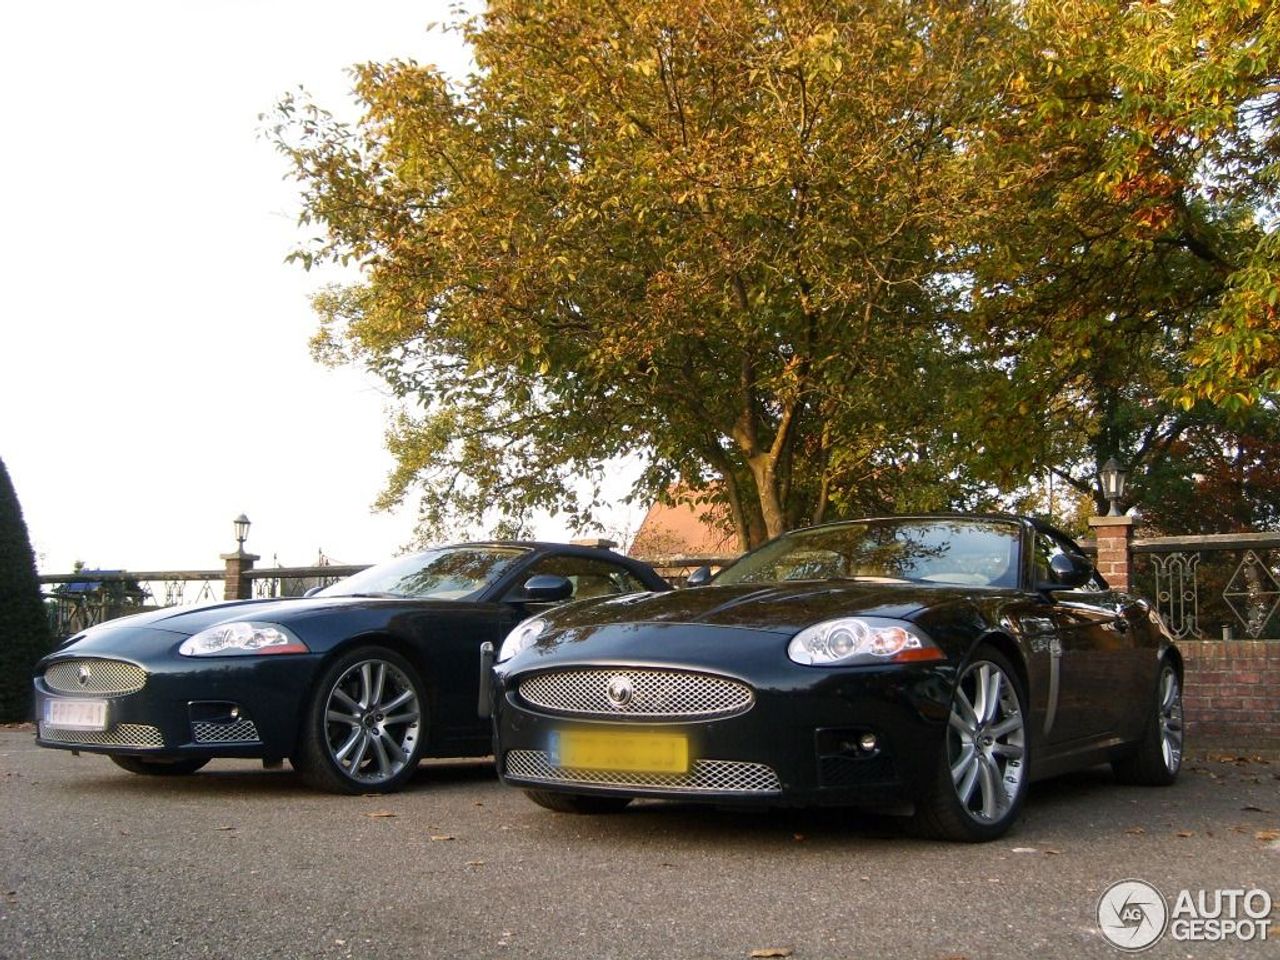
(181, 707)
(801, 741)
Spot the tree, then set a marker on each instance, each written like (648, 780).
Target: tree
(1122, 277)
(24, 629)
(809, 258)
(706, 234)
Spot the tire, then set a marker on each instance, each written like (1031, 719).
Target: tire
(157, 767)
(981, 776)
(577, 802)
(1158, 757)
(365, 726)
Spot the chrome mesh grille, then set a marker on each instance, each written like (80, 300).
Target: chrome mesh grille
(654, 694)
(705, 776)
(122, 735)
(109, 677)
(240, 731)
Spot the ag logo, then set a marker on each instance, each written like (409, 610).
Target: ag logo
(1132, 914)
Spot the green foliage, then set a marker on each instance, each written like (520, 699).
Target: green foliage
(24, 630)
(814, 258)
(1119, 265)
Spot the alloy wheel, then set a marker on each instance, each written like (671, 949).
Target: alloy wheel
(986, 742)
(1170, 719)
(372, 721)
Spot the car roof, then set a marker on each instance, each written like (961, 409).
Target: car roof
(951, 515)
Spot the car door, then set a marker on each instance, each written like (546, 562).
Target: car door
(1092, 643)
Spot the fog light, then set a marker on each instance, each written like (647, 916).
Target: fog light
(235, 713)
(867, 743)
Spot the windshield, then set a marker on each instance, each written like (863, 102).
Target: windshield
(449, 573)
(982, 553)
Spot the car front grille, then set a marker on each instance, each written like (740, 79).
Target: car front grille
(93, 675)
(122, 735)
(649, 694)
(239, 731)
(705, 776)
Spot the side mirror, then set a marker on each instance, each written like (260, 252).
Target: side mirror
(1068, 572)
(699, 577)
(546, 588)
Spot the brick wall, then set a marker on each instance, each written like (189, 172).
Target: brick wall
(1232, 696)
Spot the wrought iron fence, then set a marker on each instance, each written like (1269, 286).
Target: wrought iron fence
(77, 601)
(1206, 587)
(298, 581)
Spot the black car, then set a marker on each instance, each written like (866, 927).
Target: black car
(353, 684)
(941, 662)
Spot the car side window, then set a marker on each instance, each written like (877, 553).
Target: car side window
(590, 577)
(1047, 547)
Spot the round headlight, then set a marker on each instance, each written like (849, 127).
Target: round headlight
(521, 638)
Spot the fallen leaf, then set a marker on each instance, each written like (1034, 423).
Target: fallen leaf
(773, 952)
(799, 838)
(1025, 850)
(1252, 809)
(380, 814)
(475, 863)
(1267, 835)
(224, 829)
(1185, 833)
(440, 836)
(1050, 852)
(1136, 831)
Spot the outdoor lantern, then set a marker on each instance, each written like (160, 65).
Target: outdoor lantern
(241, 524)
(1113, 477)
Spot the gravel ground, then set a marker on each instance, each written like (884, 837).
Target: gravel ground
(241, 862)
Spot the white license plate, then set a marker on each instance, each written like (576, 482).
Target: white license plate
(76, 714)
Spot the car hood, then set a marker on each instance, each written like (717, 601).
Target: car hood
(148, 632)
(786, 607)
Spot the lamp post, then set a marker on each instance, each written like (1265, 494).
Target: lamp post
(1115, 530)
(237, 585)
(241, 524)
(1113, 478)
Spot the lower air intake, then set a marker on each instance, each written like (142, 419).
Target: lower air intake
(705, 776)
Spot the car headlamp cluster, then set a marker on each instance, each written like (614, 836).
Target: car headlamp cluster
(242, 637)
(521, 638)
(861, 640)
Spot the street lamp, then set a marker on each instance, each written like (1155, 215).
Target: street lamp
(1113, 478)
(241, 523)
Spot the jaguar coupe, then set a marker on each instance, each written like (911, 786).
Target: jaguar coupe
(353, 684)
(929, 665)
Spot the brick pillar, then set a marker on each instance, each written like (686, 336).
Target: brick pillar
(1115, 558)
(236, 582)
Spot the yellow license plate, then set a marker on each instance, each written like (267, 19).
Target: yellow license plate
(639, 752)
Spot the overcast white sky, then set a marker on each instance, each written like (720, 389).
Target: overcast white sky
(154, 374)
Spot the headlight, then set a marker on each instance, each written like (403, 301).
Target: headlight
(241, 637)
(857, 640)
(521, 638)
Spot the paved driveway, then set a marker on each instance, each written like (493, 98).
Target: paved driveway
(240, 862)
